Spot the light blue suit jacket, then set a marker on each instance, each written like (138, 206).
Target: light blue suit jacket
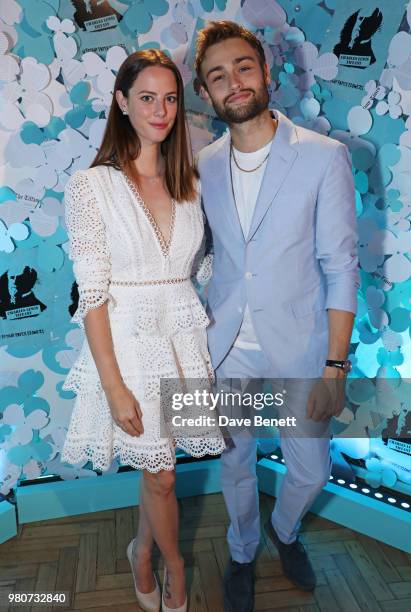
(299, 258)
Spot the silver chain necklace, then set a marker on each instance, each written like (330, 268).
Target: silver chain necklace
(243, 169)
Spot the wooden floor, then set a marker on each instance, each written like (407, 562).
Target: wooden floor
(85, 555)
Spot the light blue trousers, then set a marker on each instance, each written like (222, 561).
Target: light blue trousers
(307, 460)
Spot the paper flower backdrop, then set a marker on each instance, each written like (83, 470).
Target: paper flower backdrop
(56, 84)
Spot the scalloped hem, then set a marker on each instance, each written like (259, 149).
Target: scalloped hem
(204, 450)
(139, 461)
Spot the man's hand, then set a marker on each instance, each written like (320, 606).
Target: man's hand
(327, 398)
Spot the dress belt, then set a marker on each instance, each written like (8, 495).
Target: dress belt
(165, 281)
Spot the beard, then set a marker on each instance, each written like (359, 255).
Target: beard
(243, 112)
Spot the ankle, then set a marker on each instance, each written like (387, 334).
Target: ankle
(142, 554)
(174, 565)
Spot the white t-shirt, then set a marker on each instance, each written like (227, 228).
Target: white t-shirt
(246, 186)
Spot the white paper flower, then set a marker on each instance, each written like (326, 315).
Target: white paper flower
(279, 43)
(56, 158)
(10, 12)
(52, 207)
(46, 161)
(65, 48)
(399, 62)
(19, 154)
(32, 469)
(102, 71)
(81, 148)
(11, 118)
(200, 137)
(292, 36)
(310, 108)
(375, 298)
(185, 72)
(325, 66)
(359, 123)
(268, 52)
(9, 473)
(35, 105)
(74, 339)
(56, 25)
(69, 473)
(9, 66)
(391, 105)
(174, 35)
(23, 425)
(13, 211)
(401, 171)
(181, 13)
(42, 223)
(59, 97)
(391, 340)
(263, 13)
(399, 221)
(374, 92)
(369, 259)
(405, 97)
(405, 138)
(396, 268)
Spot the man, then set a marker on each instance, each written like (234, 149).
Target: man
(279, 200)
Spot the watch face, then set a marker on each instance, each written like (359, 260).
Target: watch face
(347, 366)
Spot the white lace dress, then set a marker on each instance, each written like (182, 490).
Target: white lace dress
(157, 321)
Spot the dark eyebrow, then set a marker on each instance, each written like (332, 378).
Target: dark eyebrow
(153, 93)
(237, 60)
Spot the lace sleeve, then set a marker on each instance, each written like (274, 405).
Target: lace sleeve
(203, 263)
(204, 270)
(88, 246)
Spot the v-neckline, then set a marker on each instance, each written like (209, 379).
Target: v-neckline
(164, 244)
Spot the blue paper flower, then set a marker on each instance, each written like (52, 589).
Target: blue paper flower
(197, 7)
(34, 38)
(139, 17)
(393, 201)
(309, 16)
(83, 107)
(5, 430)
(400, 319)
(24, 394)
(209, 5)
(38, 450)
(10, 235)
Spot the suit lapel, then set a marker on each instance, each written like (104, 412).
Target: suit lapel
(222, 178)
(282, 156)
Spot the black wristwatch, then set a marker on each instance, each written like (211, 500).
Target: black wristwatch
(345, 366)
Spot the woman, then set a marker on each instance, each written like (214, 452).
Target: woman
(135, 224)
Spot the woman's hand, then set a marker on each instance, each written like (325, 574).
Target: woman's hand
(125, 409)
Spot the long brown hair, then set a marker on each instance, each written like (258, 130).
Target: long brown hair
(121, 145)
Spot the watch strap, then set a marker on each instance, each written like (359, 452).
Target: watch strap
(343, 365)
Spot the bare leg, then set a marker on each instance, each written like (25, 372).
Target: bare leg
(161, 513)
(143, 548)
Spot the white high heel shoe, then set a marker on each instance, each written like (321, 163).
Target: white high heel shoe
(165, 608)
(149, 602)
